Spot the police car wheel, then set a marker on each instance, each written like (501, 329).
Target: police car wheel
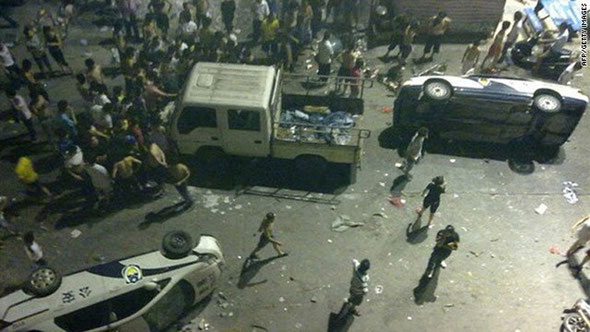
(177, 244)
(43, 281)
(438, 90)
(547, 103)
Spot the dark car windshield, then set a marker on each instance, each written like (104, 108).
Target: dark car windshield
(496, 76)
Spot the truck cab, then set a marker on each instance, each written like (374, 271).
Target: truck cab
(226, 107)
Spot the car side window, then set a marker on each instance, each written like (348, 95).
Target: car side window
(106, 312)
(193, 117)
(243, 120)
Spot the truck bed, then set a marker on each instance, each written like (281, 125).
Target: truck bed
(334, 143)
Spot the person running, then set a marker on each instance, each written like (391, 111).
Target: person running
(470, 57)
(267, 237)
(431, 196)
(447, 241)
(495, 50)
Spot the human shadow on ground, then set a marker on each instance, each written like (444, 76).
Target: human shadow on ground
(249, 270)
(398, 185)
(164, 214)
(416, 233)
(520, 154)
(571, 262)
(424, 292)
(339, 325)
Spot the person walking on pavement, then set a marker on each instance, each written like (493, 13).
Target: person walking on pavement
(324, 57)
(470, 57)
(179, 174)
(10, 67)
(495, 50)
(583, 236)
(438, 26)
(447, 241)
(228, 9)
(432, 199)
(359, 287)
(513, 35)
(414, 151)
(34, 250)
(260, 11)
(22, 112)
(266, 237)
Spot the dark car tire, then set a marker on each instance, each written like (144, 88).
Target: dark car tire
(43, 281)
(437, 90)
(177, 244)
(547, 103)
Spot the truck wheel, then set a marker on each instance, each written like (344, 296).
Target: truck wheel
(574, 323)
(312, 166)
(43, 281)
(177, 244)
(438, 90)
(547, 103)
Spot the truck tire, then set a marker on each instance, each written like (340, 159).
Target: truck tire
(311, 166)
(177, 244)
(43, 281)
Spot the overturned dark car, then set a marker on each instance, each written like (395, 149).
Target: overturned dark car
(489, 109)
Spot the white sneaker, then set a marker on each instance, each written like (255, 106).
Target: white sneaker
(443, 264)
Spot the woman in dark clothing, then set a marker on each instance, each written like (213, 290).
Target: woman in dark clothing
(431, 196)
(54, 45)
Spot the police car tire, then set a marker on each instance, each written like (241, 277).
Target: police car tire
(438, 90)
(43, 281)
(547, 103)
(177, 244)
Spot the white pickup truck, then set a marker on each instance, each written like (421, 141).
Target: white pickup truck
(241, 110)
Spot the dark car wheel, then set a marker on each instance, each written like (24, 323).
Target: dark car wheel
(177, 244)
(547, 103)
(43, 281)
(438, 90)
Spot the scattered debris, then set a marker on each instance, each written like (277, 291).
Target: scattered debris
(452, 161)
(382, 184)
(409, 317)
(555, 251)
(313, 299)
(494, 240)
(298, 325)
(288, 207)
(75, 233)
(380, 214)
(343, 223)
(397, 201)
(541, 209)
(237, 207)
(83, 42)
(257, 328)
(378, 289)
(569, 192)
(203, 325)
(210, 200)
(398, 165)
(464, 229)
(449, 305)
(387, 109)
(475, 253)
(281, 299)
(329, 241)
(104, 28)
(222, 296)
(333, 207)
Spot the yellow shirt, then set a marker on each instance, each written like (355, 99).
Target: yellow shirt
(269, 29)
(25, 171)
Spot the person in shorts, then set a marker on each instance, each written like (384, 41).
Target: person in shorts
(438, 26)
(267, 236)
(447, 241)
(431, 196)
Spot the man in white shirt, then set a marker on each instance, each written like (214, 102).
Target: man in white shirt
(414, 151)
(556, 46)
(260, 11)
(9, 65)
(23, 113)
(513, 35)
(101, 180)
(324, 57)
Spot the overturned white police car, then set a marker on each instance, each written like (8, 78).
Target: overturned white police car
(157, 288)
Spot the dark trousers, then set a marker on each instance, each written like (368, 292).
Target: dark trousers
(324, 70)
(438, 255)
(30, 128)
(131, 29)
(183, 191)
(256, 30)
(228, 22)
(43, 62)
(271, 48)
(15, 75)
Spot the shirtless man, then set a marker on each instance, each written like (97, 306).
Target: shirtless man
(124, 174)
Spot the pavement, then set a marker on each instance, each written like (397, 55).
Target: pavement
(502, 277)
